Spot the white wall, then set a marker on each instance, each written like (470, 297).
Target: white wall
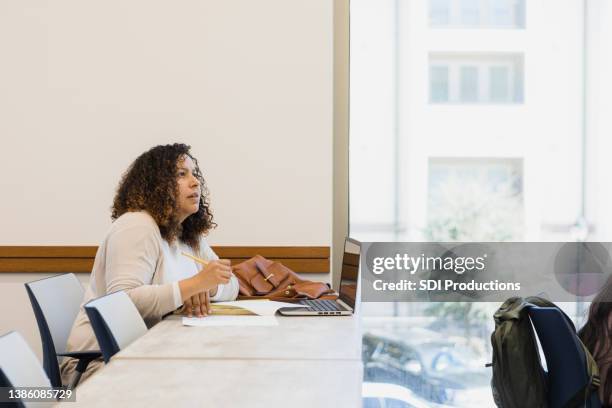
(86, 86)
(16, 310)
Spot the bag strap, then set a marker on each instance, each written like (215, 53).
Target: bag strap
(582, 396)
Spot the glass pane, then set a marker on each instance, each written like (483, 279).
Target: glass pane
(439, 12)
(470, 12)
(435, 351)
(499, 84)
(479, 165)
(519, 13)
(501, 13)
(477, 13)
(476, 78)
(438, 84)
(519, 84)
(469, 84)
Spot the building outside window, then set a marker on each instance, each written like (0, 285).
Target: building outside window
(470, 123)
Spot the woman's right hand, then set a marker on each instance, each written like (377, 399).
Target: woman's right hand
(215, 273)
(208, 279)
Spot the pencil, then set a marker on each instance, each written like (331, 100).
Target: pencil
(195, 258)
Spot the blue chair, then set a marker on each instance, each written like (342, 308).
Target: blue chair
(19, 367)
(56, 302)
(115, 321)
(565, 358)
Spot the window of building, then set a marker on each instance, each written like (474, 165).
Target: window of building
(499, 83)
(439, 83)
(494, 78)
(470, 12)
(477, 13)
(469, 84)
(439, 12)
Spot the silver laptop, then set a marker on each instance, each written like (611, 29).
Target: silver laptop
(349, 281)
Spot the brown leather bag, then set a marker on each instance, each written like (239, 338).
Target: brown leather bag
(261, 277)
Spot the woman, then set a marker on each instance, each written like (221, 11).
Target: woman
(597, 337)
(160, 210)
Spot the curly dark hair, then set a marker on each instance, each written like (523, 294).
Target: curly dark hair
(150, 184)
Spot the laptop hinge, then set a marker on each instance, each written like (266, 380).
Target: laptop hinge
(344, 305)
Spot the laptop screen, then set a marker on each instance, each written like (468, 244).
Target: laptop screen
(350, 272)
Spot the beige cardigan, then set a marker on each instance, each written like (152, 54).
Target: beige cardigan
(132, 258)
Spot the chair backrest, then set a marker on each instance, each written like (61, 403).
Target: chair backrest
(55, 302)
(19, 367)
(115, 321)
(565, 358)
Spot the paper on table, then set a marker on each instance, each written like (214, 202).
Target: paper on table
(260, 307)
(216, 321)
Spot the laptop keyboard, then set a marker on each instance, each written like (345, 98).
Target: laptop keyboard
(322, 305)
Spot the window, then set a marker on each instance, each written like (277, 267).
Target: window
(466, 79)
(469, 157)
(439, 84)
(501, 13)
(469, 84)
(499, 83)
(477, 13)
(439, 12)
(475, 199)
(470, 12)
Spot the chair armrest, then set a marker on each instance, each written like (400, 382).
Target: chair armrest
(89, 354)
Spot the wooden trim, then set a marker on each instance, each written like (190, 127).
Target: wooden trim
(51, 265)
(58, 259)
(272, 252)
(48, 251)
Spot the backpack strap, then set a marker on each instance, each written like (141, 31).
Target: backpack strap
(582, 396)
(541, 302)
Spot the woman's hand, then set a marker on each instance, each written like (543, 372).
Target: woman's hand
(198, 304)
(215, 273)
(211, 276)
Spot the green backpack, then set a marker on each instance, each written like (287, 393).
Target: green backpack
(519, 381)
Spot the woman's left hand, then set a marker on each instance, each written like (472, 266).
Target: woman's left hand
(198, 305)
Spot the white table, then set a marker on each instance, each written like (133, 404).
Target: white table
(222, 383)
(305, 338)
(303, 362)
